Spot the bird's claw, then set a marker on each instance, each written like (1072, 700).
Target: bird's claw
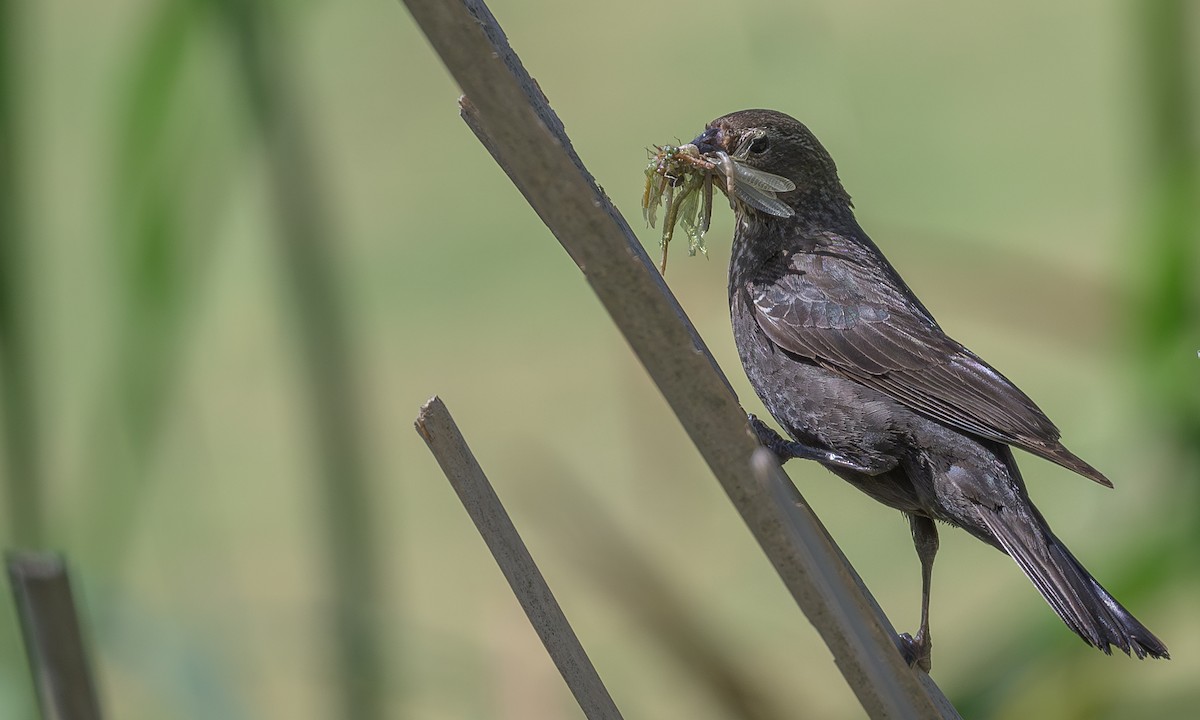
(916, 651)
(786, 449)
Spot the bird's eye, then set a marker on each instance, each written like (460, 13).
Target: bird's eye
(760, 145)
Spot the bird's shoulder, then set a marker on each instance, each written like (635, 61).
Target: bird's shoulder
(827, 282)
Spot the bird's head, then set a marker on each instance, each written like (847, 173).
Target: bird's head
(778, 144)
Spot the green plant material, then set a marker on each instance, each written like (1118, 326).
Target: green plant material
(172, 172)
(18, 402)
(681, 179)
(21, 472)
(1168, 310)
(678, 177)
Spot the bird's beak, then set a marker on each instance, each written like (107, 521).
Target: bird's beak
(711, 140)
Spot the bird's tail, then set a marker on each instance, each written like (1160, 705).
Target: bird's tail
(1085, 606)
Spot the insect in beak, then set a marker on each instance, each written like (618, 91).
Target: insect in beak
(681, 178)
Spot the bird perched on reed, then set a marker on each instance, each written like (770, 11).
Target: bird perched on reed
(863, 380)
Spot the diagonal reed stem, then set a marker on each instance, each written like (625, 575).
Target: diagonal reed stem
(53, 638)
(511, 117)
(447, 444)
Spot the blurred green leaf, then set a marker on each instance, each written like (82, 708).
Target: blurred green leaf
(1167, 316)
(157, 70)
(18, 402)
(173, 170)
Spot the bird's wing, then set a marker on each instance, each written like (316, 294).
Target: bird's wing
(858, 320)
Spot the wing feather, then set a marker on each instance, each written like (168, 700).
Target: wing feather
(887, 342)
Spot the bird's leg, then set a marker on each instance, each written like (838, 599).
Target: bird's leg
(786, 449)
(917, 650)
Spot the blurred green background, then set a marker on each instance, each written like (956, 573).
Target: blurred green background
(241, 243)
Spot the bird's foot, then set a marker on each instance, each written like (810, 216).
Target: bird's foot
(787, 449)
(917, 651)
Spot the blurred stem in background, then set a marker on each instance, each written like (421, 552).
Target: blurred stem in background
(620, 568)
(21, 498)
(304, 231)
(18, 405)
(171, 175)
(1167, 314)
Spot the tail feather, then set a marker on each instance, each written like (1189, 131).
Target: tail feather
(1077, 598)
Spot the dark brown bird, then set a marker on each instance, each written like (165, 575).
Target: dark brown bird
(855, 369)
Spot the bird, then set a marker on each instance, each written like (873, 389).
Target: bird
(856, 371)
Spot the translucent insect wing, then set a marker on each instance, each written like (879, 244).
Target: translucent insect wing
(762, 201)
(760, 180)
